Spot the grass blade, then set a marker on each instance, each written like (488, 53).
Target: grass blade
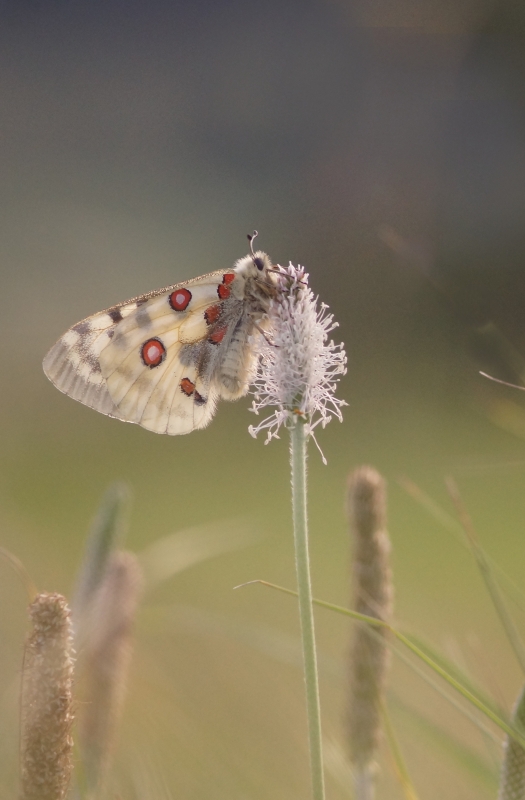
(498, 719)
(106, 534)
(486, 573)
(397, 756)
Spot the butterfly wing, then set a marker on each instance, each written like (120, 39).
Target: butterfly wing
(149, 360)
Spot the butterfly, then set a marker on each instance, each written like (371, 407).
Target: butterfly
(164, 359)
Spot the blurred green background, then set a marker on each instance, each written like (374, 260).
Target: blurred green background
(382, 145)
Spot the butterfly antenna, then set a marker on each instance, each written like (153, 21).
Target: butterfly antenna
(251, 237)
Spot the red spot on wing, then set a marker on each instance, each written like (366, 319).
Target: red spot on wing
(217, 336)
(212, 314)
(179, 299)
(153, 352)
(224, 290)
(187, 386)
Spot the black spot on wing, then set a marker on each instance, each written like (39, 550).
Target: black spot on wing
(82, 327)
(115, 314)
(87, 356)
(142, 318)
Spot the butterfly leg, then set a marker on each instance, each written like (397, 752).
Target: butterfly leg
(264, 334)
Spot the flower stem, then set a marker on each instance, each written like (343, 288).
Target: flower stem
(298, 439)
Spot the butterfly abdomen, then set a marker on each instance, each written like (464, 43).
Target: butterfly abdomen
(237, 365)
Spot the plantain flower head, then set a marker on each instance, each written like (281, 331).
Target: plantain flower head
(299, 368)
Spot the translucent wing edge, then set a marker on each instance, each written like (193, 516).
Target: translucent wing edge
(78, 378)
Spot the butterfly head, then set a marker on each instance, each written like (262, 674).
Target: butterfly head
(255, 265)
(255, 276)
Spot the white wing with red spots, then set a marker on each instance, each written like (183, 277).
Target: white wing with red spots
(164, 359)
(126, 361)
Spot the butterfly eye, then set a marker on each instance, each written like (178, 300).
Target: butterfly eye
(259, 263)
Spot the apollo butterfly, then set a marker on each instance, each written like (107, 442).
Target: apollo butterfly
(164, 359)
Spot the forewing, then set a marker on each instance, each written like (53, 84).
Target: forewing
(100, 360)
(73, 363)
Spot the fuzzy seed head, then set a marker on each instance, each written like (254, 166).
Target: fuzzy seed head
(47, 712)
(106, 656)
(299, 370)
(372, 596)
(512, 784)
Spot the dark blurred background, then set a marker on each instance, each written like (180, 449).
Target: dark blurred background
(381, 143)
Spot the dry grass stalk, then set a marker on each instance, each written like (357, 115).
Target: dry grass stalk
(373, 595)
(47, 713)
(105, 661)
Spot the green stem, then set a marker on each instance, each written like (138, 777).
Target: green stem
(298, 441)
